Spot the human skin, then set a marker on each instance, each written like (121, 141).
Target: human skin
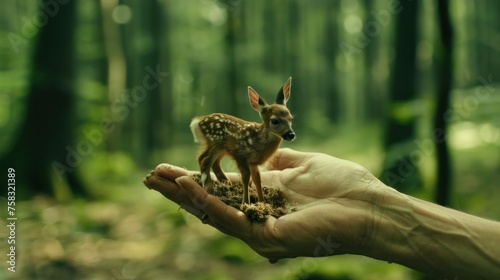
(343, 209)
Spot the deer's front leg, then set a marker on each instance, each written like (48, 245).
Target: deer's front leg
(245, 178)
(254, 170)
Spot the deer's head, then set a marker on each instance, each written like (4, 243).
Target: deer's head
(276, 117)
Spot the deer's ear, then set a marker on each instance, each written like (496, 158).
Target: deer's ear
(255, 100)
(284, 92)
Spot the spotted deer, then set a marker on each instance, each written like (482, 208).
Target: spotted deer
(250, 144)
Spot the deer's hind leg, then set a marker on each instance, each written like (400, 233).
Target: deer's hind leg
(206, 161)
(221, 177)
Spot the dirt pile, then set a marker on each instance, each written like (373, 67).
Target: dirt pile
(232, 195)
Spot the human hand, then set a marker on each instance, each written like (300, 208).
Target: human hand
(334, 199)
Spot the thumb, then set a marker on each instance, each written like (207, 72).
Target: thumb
(196, 193)
(287, 158)
(223, 217)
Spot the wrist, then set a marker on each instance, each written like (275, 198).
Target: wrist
(410, 232)
(436, 240)
(394, 223)
(390, 211)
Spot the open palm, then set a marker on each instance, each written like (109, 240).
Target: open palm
(333, 198)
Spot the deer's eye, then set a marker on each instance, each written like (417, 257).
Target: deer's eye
(275, 121)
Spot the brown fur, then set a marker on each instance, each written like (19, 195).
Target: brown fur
(250, 144)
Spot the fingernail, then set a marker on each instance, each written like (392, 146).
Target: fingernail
(178, 181)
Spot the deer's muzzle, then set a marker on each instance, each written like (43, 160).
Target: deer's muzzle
(289, 135)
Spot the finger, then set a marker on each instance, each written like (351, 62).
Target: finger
(162, 179)
(167, 188)
(171, 172)
(197, 195)
(225, 218)
(287, 158)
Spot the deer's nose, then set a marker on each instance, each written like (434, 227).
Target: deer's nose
(289, 135)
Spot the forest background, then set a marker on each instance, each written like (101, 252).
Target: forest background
(94, 94)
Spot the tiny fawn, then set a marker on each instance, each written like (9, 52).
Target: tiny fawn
(250, 144)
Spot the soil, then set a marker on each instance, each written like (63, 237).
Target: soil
(232, 195)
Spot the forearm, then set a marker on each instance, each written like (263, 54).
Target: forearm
(436, 240)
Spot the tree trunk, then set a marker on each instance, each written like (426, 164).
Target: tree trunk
(232, 26)
(44, 153)
(444, 87)
(330, 94)
(117, 71)
(159, 121)
(400, 167)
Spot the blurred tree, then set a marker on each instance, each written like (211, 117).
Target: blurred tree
(330, 94)
(232, 29)
(400, 167)
(161, 102)
(150, 125)
(117, 69)
(270, 56)
(44, 151)
(300, 80)
(443, 94)
(372, 92)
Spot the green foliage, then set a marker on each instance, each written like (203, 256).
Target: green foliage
(212, 50)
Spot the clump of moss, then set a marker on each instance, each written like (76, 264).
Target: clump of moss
(232, 195)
